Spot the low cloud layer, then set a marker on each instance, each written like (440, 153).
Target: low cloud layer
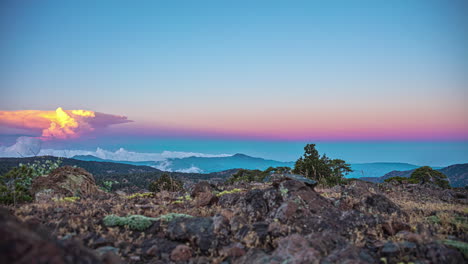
(30, 146)
(59, 124)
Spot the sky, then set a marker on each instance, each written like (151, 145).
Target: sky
(237, 73)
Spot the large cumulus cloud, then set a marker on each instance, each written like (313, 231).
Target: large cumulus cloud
(58, 124)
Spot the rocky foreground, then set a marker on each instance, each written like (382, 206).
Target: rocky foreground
(285, 221)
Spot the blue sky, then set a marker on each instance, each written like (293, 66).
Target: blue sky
(271, 70)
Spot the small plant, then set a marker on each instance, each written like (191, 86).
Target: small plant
(138, 222)
(166, 183)
(70, 199)
(183, 199)
(401, 180)
(107, 185)
(140, 195)
(248, 176)
(15, 184)
(171, 216)
(428, 175)
(43, 167)
(134, 222)
(235, 190)
(283, 191)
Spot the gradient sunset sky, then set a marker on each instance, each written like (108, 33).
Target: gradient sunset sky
(257, 70)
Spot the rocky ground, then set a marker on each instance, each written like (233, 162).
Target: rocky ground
(285, 221)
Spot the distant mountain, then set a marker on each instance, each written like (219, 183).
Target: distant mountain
(94, 158)
(215, 164)
(238, 161)
(130, 177)
(378, 169)
(94, 167)
(201, 164)
(457, 174)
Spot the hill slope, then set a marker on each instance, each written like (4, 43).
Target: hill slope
(128, 176)
(208, 165)
(457, 174)
(203, 164)
(378, 169)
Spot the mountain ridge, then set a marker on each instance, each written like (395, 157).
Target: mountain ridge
(456, 173)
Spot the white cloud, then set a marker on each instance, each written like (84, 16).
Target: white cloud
(164, 165)
(30, 146)
(24, 147)
(179, 154)
(192, 169)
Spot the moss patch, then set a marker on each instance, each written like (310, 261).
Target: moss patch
(138, 222)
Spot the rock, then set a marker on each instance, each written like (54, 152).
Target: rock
(107, 249)
(229, 200)
(276, 229)
(289, 176)
(100, 242)
(286, 211)
(181, 253)
(255, 235)
(197, 230)
(233, 250)
(201, 187)
(228, 213)
(205, 199)
(390, 249)
(349, 255)
(378, 203)
(221, 225)
(65, 181)
(255, 206)
(393, 227)
(409, 236)
(258, 256)
(296, 249)
(237, 222)
(158, 247)
(23, 244)
(135, 258)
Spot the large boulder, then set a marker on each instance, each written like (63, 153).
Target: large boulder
(198, 231)
(65, 181)
(28, 243)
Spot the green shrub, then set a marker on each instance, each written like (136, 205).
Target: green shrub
(107, 185)
(138, 222)
(326, 171)
(427, 174)
(70, 199)
(244, 175)
(401, 179)
(165, 183)
(15, 184)
(236, 190)
(424, 175)
(140, 195)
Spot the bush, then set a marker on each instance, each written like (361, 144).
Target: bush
(139, 222)
(107, 185)
(428, 175)
(400, 179)
(424, 175)
(322, 169)
(15, 184)
(165, 183)
(248, 176)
